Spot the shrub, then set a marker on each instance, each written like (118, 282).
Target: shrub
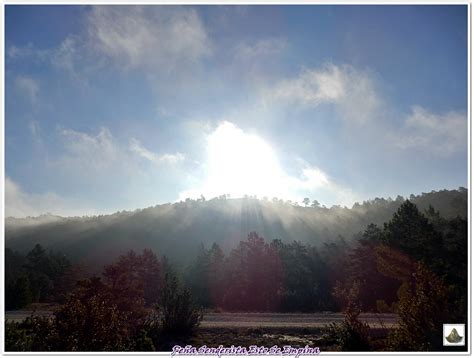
(91, 324)
(422, 309)
(88, 321)
(16, 338)
(352, 334)
(35, 333)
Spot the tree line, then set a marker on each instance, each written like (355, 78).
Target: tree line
(276, 276)
(414, 265)
(176, 230)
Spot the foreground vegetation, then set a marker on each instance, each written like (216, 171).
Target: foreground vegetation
(415, 266)
(134, 306)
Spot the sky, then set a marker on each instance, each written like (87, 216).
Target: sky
(111, 108)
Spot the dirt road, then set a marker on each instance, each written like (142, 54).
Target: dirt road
(262, 320)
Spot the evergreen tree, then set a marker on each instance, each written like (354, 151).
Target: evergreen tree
(179, 313)
(22, 292)
(411, 232)
(216, 276)
(197, 277)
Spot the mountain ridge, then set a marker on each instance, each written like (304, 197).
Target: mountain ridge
(177, 230)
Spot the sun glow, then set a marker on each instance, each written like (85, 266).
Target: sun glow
(241, 164)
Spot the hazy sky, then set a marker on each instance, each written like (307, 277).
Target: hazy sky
(123, 107)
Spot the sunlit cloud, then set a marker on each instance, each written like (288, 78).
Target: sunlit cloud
(239, 164)
(313, 178)
(170, 158)
(352, 91)
(103, 154)
(444, 133)
(353, 94)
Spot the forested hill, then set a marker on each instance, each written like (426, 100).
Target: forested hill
(177, 230)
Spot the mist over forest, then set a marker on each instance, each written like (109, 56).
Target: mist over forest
(179, 230)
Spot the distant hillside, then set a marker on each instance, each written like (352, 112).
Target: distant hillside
(178, 229)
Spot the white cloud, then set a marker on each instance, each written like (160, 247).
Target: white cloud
(15, 52)
(138, 148)
(312, 87)
(350, 90)
(85, 151)
(73, 57)
(312, 178)
(19, 203)
(171, 158)
(160, 37)
(354, 95)
(98, 158)
(63, 56)
(29, 87)
(102, 154)
(441, 133)
(314, 182)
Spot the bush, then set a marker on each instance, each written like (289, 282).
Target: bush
(91, 321)
(16, 338)
(422, 309)
(35, 333)
(352, 334)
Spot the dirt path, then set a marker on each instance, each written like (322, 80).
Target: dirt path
(289, 320)
(262, 320)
